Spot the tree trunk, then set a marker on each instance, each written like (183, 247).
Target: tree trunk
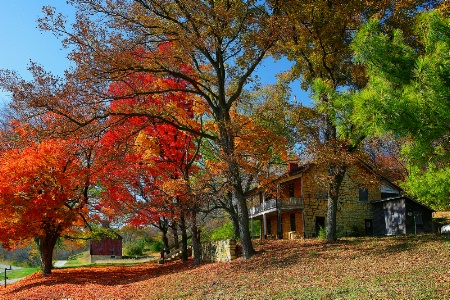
(46, 244)
(195, 239)
(184, 239)
(337, 176)
(244, 230)
(331, 219)
(336, 173)
(228, 147)
(235, 221)
(163, 226)
(176, 241)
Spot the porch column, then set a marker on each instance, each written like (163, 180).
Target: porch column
(251, 224)
(265, 226)
(279, 225)
(278, 205)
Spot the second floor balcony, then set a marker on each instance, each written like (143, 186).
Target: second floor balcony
(271, 206)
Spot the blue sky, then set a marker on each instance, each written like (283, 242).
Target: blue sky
(21, 42)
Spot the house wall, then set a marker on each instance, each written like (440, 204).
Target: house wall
(400, 216)
(413, 223)
(106, 247)
(297, 188)
(286, 223)
(351, 212)
(390, 217)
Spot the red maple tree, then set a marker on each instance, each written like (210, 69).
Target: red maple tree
(148, 162)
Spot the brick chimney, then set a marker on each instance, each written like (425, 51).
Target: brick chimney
(292, 167)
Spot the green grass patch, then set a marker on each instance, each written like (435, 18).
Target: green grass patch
(19, 273)
(78, 260)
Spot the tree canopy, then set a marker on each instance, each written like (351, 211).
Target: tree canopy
(407, 95)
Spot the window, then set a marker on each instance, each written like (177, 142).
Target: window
(293, 227)
(363, 194)
(269, 227)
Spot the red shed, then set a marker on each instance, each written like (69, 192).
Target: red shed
(106, 248)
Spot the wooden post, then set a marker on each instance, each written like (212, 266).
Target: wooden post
(6, 269)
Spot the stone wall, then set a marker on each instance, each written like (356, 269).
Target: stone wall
(286, 223)
(351, 212)
(220, 251)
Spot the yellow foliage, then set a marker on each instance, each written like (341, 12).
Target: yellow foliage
(147, 145)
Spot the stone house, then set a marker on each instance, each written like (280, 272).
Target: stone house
(295, 205)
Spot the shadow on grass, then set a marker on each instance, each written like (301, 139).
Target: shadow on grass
(105, 276)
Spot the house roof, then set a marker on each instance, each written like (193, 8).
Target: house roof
(402, 197)
(286, 176)
(301, 169)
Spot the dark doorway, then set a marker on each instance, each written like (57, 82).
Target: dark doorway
(293, 227)
(320, 224)
(368, 227)
(269, 227)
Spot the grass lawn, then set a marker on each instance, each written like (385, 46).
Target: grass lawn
(81, 259)
(405, 267)
(19, 273)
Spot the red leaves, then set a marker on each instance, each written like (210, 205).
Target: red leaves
(143, 152)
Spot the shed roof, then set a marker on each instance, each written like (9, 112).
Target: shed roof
(402, 197)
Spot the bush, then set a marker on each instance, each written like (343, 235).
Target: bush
(135, 248)
(226, 231)
(322, 233)
(156, 246)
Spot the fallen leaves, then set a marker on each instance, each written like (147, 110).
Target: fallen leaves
(397, 268)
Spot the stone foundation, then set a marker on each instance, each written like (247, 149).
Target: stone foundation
(102, 258)
(219, 251)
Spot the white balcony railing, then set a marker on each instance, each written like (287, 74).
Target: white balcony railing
(292, 202)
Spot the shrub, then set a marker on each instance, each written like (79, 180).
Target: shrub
(322, 233)
(226, 231)
(135, 248)
(156, 246)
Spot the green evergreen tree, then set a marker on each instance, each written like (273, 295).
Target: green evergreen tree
(408, 94)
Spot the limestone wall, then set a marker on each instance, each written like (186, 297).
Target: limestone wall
(351, 212)
(286, 223)
(220, 251)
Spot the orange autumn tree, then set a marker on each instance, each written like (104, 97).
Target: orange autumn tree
(43, 191)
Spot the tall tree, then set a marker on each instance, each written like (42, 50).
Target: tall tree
(318, 37)
(150, 163)
(407, 95)
(222, 42)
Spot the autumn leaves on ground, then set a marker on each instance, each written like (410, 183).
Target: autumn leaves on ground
(408, 267)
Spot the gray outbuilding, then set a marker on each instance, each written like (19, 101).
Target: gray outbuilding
(401, 215)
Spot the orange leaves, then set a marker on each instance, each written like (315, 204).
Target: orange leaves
(36, 184)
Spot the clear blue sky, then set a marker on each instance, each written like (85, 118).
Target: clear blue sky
(21, 42)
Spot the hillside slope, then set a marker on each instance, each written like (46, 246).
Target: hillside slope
(406, 267)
